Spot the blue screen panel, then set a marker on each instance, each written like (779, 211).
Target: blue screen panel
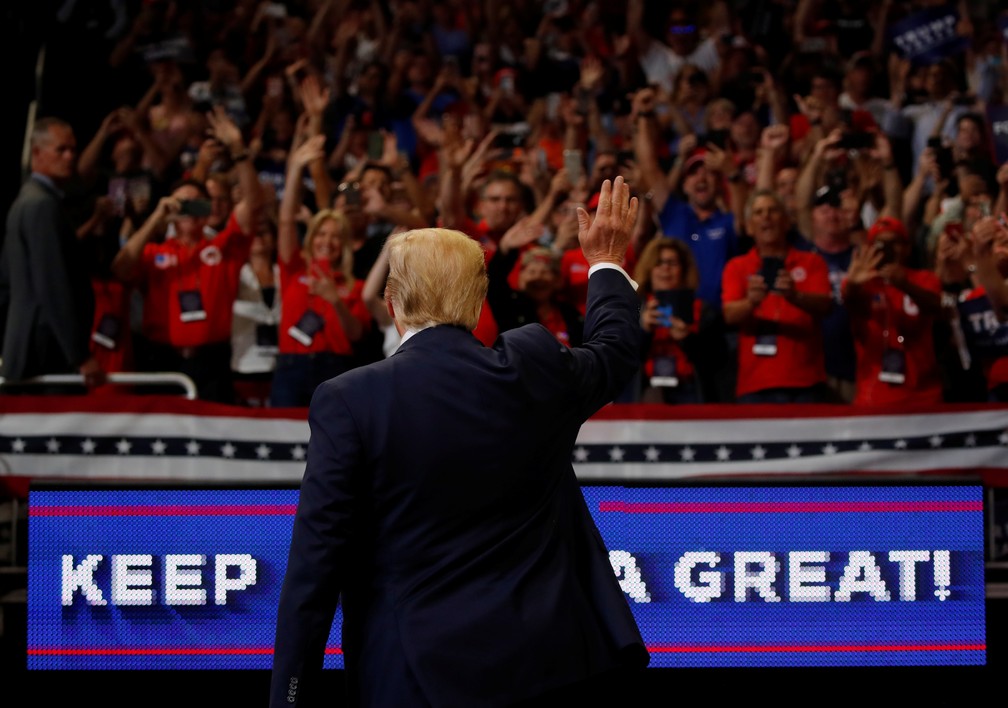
(716, 576)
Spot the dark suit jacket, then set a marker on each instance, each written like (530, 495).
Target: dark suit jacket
(440, 500)
(51, 303)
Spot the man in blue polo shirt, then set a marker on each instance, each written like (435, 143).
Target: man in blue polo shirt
(709, 232)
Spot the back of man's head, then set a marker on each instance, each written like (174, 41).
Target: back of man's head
(436, 276)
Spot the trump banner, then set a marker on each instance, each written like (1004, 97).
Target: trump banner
(928, 36)
(716, 576)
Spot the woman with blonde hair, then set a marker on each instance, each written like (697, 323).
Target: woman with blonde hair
(322, 310)
(670, 322)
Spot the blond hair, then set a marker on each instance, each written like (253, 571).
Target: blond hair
(436, 276)
(346, 252)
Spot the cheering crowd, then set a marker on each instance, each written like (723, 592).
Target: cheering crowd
(821, 192)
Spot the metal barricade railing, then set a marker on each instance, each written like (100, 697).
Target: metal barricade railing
(131, 378)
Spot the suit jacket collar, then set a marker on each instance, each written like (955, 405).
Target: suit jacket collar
(47, 183)
(438, 336)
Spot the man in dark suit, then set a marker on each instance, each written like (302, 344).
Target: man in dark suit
(48, 287)
(440, 503)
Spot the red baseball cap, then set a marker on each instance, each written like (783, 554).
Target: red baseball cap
(890, 224)
(697, 157)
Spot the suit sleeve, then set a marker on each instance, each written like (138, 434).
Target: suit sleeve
(610, 353)
(316, 564)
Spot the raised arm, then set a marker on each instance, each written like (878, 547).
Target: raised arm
(645, 144)
(808, 179)
(126, 262)
(229, 135)
(290, 203)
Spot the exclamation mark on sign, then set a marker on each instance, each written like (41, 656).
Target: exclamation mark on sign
(942, 575)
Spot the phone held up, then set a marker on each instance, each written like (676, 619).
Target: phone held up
(769, 268)
(676, 303)
(351, 193)
(574, 164)
(886, 249)
(375, 145)
(194, 207)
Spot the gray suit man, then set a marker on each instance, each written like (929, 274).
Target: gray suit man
(48, 288)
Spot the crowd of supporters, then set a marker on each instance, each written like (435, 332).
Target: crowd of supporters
(820, 212)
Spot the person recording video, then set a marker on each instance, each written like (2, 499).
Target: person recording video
(190, 282)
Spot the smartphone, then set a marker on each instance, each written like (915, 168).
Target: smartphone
(552, 105)
(943, 155)
(717, 138)
(856, 140)
(351, 193)
(769, 268)
(506, 141)
(507, 84)
(954, 229)
(451, 65)
(675, 303)
(574, 164)
(886, 248)
(276, 10)
(375, 145)
(195, 207)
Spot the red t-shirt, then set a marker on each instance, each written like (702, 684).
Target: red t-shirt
(884, 318)
(797, 335)
(296, 302)
(189, 290)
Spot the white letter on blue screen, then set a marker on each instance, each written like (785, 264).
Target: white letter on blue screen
(762, 580)
(183, 578)
(81, 577)
(802, 574)
(132, 579)
(625, 567)
(908, 571)
(223, 584)
(862, 574)
(710, 583)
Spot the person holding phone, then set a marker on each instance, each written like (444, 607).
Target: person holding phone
(190, 282)
(777, 296)
(322, 310)
(892, 314)
(670, 320)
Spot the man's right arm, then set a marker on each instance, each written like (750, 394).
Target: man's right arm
(609, 355)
